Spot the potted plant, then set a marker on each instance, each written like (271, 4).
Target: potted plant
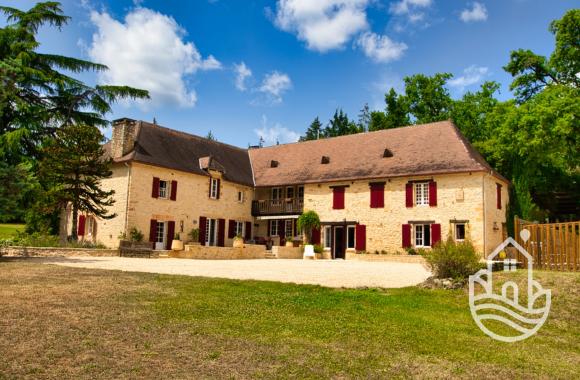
(238, 241)
(177, 244)
(289, 241)
(308, 221)
(194, 236)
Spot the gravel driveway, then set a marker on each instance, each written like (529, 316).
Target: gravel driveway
(338, 273)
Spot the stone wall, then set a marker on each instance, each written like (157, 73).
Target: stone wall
(249, 251)
(494, 218)
(287, 252)
(385, 258)
(58, 252)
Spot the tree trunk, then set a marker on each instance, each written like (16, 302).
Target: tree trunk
(75, 217)
(63, 233)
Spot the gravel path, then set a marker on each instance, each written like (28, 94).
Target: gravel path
(336, 274)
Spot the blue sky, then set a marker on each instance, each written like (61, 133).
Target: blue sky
(245, 68)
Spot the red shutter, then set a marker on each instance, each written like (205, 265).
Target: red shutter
(221, 232)
(248, 231)
(153, 231)
(409, 194)
(231, 229)
(338, 198)
(406, 235)
(435, 234)
(170, 234)
(81, 226)
(316, 236)
(209, 191)
(360, 237)
(155, 188)
(377, 196)
(218, 188)
(173, 190)
(498, 191)
(432, 193)
(202, 229)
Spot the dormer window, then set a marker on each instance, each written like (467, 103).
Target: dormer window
(325, 160)
(387, 153)
(274, 164)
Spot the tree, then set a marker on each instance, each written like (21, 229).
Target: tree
(364, 118)
(427, 98)
(306, 222)
(397, 110)
(75, 165)
(340, 125)
(378, 121)
(15, 182)
(314, 132)
(210, 136)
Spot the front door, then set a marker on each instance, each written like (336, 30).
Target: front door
(339, 243)
(211, 232)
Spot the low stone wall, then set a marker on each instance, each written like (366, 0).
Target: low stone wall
(249, 251)
(58, 252)
(393, 258)
(287, 252)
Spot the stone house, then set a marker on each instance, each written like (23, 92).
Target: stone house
(378, 191)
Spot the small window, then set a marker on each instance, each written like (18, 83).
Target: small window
(276, 193)
(289, 228)
(327, 237)
(214, 188)
(460, 231)
(422, 235)
(239, 229)
(350, 237)
(90, 226)
(240, 196)
(422, 193)
(300, 192)
(289, 192)
(163, 189)
(274, 228)
(325, 160)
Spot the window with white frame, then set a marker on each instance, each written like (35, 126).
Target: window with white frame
(240, 196)
(460, 231)
(163, 189)
(239, 229)
(300, 192)
(277, 193)
(350, 237)
(289, 228)
(422, 235)
(327, 237)
(160, 238)
(289, 192)
(214, 188)
(422, 193)
(90, 226)
(273, 228)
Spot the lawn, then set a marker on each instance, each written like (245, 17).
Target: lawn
(9, 230)
(59, 322)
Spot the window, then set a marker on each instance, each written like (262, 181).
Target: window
(422, 193)
(240, 196)
(327, 237)
(338, 198)
(460, 231)
(90, 225)
(276, 193)
(498, 195)
(163, 189)
(422, 235)
(289, 228)
(273, 228)
(300, 192)
(289, 192)
(160, 232)
(377, 195)
(211, 232)
(214, 188)
(350, 237)
(239, 229)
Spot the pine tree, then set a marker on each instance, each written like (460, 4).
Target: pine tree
(340, 125)
(314, 132)
(364, 118)
(74, 164)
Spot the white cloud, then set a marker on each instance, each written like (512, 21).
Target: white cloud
(274, 85)
(275, 133)
(471, 75)
(242, 73)
(406, 6)
(478, 12)
(147, 50)
(380, 48)
(323, 24)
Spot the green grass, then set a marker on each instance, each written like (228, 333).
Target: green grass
(9, 230)
(103, 324)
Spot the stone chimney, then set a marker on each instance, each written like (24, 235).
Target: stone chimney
(123, 139)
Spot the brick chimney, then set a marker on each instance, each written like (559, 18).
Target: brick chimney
(123, 139)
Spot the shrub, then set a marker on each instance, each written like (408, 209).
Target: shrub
(453, 260)
(318, 248)
(43, 240)
(136, 235)
(308, 221)
(194, 234)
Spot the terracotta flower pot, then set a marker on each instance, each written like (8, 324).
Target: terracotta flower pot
(177, 245)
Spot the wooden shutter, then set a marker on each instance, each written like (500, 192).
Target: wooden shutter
(81, 226)
(269, 227)
(218, 188)
(281, 229)
(377, 195)
(231, 229)
(316, 236)
(209, 190)
(409, 194)
(155, 188)
(153, 231)
(170, 234)
(406, 235)
(361, 237)
(498, 196)
(432, 193)
(173, 190)
(435, 234)
(221, 232)
(202, 229)
(338, 198)
(248, 231)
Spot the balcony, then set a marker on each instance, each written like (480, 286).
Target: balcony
(270, 207)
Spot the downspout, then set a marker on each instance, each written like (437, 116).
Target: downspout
(484, 217)
(127, 198)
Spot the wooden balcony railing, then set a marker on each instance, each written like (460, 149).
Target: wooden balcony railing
(288, 206)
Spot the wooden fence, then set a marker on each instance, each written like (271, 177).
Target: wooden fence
(553, 246)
